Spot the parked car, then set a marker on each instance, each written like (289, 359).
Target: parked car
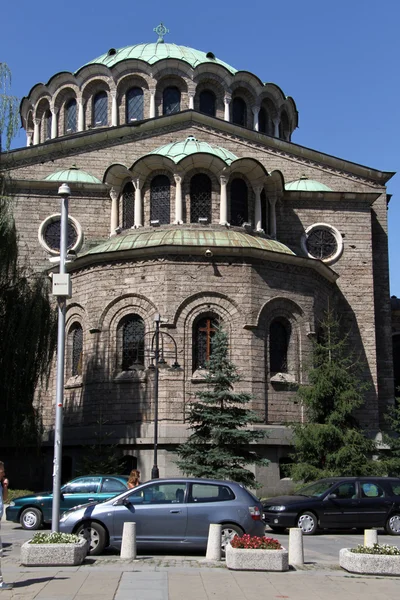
(32, 511)
(173, 513)
(338, 503)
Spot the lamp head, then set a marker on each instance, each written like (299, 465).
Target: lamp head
(64, 190)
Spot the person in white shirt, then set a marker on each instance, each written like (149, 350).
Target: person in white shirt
(3, 498)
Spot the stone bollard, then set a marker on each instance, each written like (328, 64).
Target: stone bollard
(214, 542)
(128, 547)
(370, 537)
(296, 551)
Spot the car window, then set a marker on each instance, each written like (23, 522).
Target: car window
(395, 487)
(208, 492)
(371, 490)
(159, 493)
(344, 491)
(112, 485)
(315, 490)
(84, 485)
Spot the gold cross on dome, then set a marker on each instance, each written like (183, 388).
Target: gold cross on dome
(161, 30)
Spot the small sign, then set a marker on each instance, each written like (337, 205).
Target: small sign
(62, 285)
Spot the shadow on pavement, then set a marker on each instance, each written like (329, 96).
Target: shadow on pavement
(26, 582)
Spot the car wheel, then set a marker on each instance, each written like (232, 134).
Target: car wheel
(31, 518)
(277, 529)
(393, 525)
(95, 534)
(308, 523)
(228, 532)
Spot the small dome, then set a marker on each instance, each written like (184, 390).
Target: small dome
(176, 151)
(72, 175)
(306, 185)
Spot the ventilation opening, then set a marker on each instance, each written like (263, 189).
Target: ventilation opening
(111, 52)
(210, 55)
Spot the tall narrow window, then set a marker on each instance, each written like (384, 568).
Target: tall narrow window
(132, 339)
(171, 100)
(284, 127)
(77, 349)
(160, 199)
(70, 116)
(200, 198)
(264, 212)
(203, 331)
(134, 105)
(207, 103)
(239, 202)
(128, 206)
(48, 117)
(278, 347)
(100, 109)
(263, 121)
(239, 112)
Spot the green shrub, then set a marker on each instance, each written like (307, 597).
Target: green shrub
(12, 494)
(383, 549)
(54, 538)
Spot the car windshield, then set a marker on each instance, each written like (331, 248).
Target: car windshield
(315, 490)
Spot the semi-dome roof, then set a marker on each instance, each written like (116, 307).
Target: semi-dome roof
(176, 151)
(72, 175)
(152, 53)
(306, 185)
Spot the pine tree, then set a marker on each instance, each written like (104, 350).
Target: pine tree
(390, 452)
(220, 445)
(331, 442)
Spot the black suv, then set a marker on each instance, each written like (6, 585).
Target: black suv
(338, 503)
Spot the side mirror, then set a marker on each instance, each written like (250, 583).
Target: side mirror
(331, 497)
(126, 502)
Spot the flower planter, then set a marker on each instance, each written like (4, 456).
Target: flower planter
(369, 564)
(53, 554)
(245, 559)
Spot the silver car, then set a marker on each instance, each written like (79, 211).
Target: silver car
(173, 513)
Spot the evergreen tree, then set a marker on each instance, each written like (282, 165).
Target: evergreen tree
(390, 453)
(220, 445)
(331, 443)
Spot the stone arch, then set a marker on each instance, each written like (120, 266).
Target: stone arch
(124, 84)
(75, 314)
(61, 99)
(89, 91)
(215, 84)
(171, 80)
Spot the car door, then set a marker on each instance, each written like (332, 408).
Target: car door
(375, 504)
(79, 491)
(110, 487)
(341, 506)
(209, 503)
(159, 511)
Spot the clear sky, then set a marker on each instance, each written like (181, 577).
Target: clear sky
(339, 60)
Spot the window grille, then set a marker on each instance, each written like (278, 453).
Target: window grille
(70, 116)
(200, 198)
(239, 202)
(48, 120)
(262, 121)
(100, 109)
(134, 105)
(278, 347)
(204, 331)
(128, 206)
(321, 243)
(52, 235)
(171, 100)
(132, 342)
(284, 127)
(77, 350)
(207, 103)
(239, 112)
(160, 200)
(264, 212)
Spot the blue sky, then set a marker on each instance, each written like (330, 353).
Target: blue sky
(338, 60)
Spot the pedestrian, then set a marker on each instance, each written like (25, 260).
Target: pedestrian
(134, 479)
(3, 498)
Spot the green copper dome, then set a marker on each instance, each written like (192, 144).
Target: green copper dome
(152, 53)
(176, 151)
(306, 185)
(72, 175)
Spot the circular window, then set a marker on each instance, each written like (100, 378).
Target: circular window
(50, 234)
(323, 242)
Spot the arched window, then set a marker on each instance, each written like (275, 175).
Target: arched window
(171, 100)
(200, 198)
(263, 121)
(239, 203)
(239, 112)
(131, 330)
(70, 116)
(284, 127)
(100, 109)
(204, 330)
(264, 212)
(77, 349)
(48, 117)
(128, 206)
(207, 103)
(134, 105)
(278, 346)
(160, 199)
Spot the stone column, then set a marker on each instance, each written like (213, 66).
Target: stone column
(272, 202)
(191, 101)
(137, 184)
(227, 101)
(81, 115)
(178, 200)
(114, 109)
(256, 111)
(152, 103)
(223, 201)
(276, 122)
(257, 209)
(114, 211)
(29, 138)
(36, 131)
(54, 119)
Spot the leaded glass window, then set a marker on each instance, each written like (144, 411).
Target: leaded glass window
(263, 121)
(132, 329)
(171, 100)
(134, 105)
(200, 198)
(207, 103)
(321, 243)
(47, 122)
(70, 116)
(77, 350)
(278, 347)
(52, 235)
(239, 112)
(160, 199)
(203, 332)
(128, 206)
(239, 202)
(100, 109)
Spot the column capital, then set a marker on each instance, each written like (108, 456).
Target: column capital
(256, 108)
(152, 90)
(178, 178)
(223, 179)
(227, 98)
(113, 193)
(137, 183)
(258, 188)
(272, 198)
(113, 93)
(36, 121)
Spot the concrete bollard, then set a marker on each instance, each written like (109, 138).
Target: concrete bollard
(128, 547)
(214, 542)
(370, 537)
(296, 551)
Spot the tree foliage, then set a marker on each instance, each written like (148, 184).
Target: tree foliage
(390, 451)
(101, 457)
(220, 443)
(331, 442)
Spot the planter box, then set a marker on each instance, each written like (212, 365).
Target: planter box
(369, 564)
(53, 554)
(240, 559)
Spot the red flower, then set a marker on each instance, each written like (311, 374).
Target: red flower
(255, 542)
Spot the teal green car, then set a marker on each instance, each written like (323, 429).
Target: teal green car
(35, 510)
